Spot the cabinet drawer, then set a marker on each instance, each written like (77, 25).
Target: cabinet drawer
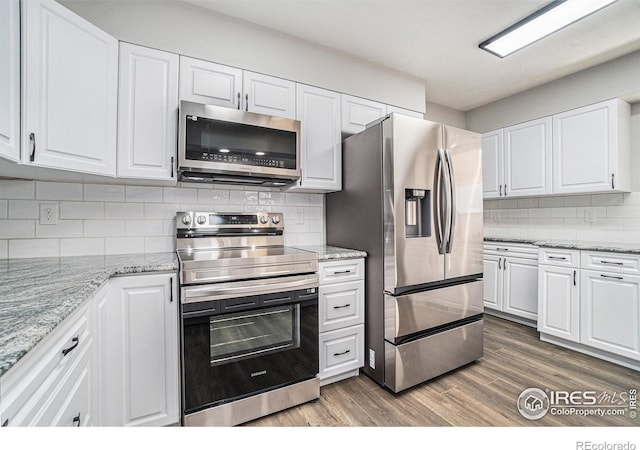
(559, 257)
(511, 249)
(341, 270)
(612, 262)
(341, 305)
(28, 384)
(341, 350)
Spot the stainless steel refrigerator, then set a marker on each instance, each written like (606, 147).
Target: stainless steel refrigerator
(412, 199)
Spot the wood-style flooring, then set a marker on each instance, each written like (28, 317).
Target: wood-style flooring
(483, 393)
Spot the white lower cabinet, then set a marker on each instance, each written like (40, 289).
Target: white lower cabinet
(341, 319)
(559, 301)
(511, 279)
(138, 352)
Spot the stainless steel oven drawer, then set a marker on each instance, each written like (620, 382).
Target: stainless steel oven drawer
(412, 363)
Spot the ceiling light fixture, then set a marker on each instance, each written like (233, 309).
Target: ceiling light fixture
(545, 21)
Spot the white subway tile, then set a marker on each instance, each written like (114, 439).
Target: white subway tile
(123, 211)
(631, 198)
(161, 211)
(213, 196)
(623, 236)
(4, 248)
(575, 222)
(81, 246)
(103, 228)
(143, 227)
(607, 199)
(243, 197)
(316, 226)
(192, 207)
(563, 234)
(508, 204)
(528, 221)
(552, 221)
(168, 228)
(103, 193)
(563, 212)
(261, 208)
(271, 198)
(24, 209)
(591, 235)
(157, 244)
(121, 245)
(316, 199)
(290, 239)
(292, 227)
(517, 213)
(490, 204)
(17, 189)
(34, 248)
(576, 200)
(81, 210)
(186, 184)
(550, 202)
(623, 211)
(527, 203)
(631, 224)
(46, 190)
(17, 228)
(4, 206)
(309, 238)
(610, 223)
(63, 229)
(292, 198)
(143, 194)
(540, 212)
(180, 195)
(313, 213)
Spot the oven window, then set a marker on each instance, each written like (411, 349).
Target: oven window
(246, 334)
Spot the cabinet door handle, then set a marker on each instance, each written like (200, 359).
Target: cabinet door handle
(343, 306)
(32, 139)
(574, 277)
(76, 341)
(500, 190)
(342, 272)
(613, 186)
(246, 102)
(342, 353)
(172, 162)
(504, 264)
(5, 423)
(76, 420)
(170, 289)
(559, 258)
(505, 190)
(239, 106)
(499, 263)
(612, 277)
(613, 263)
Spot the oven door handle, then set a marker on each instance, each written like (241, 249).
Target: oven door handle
(219, 291)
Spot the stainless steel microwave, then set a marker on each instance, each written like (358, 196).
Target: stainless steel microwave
(224, 145)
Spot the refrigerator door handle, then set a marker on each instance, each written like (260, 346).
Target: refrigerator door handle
(438, 201)
(451, 202)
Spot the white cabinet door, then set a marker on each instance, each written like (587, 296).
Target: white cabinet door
(140, 351)
(492, 164)
(559, 302)
(209, 83)
(273, 96)
(147, 113)
(10, 79)
(318, 111)
(404, 112)
(521, 287)
(492, 282)
(527, 158)
(610, 312)
(591, 148)
(358, 112)
(70, 84)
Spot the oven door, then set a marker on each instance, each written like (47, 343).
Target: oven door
(246, 344)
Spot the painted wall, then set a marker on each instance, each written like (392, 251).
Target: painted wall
(193, 31)
(444, 114)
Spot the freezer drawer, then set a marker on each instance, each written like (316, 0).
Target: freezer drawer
(412, 363)
(415, 313)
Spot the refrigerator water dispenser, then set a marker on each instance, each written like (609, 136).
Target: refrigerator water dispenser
(417, 213)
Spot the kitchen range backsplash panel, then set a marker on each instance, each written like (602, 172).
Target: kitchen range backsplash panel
(106, 219)
(594, 218)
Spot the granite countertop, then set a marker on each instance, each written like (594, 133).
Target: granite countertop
(37, 294)
(613, 247)
(328, 252)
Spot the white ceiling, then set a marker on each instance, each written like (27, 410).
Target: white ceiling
(437, 40)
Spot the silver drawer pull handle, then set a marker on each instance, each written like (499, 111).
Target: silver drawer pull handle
(342, 353)
(502, 249)
(343, 306)
(76, 341)
(602, 261)
(342, 272)
(560, 258)
(609, 276)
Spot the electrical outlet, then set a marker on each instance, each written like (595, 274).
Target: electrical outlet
(48, 214)
(589, 215)
(299, 216)
(495, 216)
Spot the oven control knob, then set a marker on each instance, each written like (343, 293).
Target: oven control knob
(201, 220)
(186, 220)
(275, 220)
(264, 219)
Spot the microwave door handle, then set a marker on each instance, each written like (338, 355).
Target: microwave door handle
(451, 200)
(437, 203)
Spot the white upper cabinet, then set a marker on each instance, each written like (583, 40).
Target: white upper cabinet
(147, 113)
(264, 94)
(527, 158)
(591, 148)
(320, 142)
(404, 112)
(492, 164)
(215, 84)
(70, 83)
(358, 112)
(10, 79)
(209, 83)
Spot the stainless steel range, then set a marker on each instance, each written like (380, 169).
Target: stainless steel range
(249, 309)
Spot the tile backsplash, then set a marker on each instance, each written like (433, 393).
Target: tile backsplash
(103, 219)
(596, 217)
